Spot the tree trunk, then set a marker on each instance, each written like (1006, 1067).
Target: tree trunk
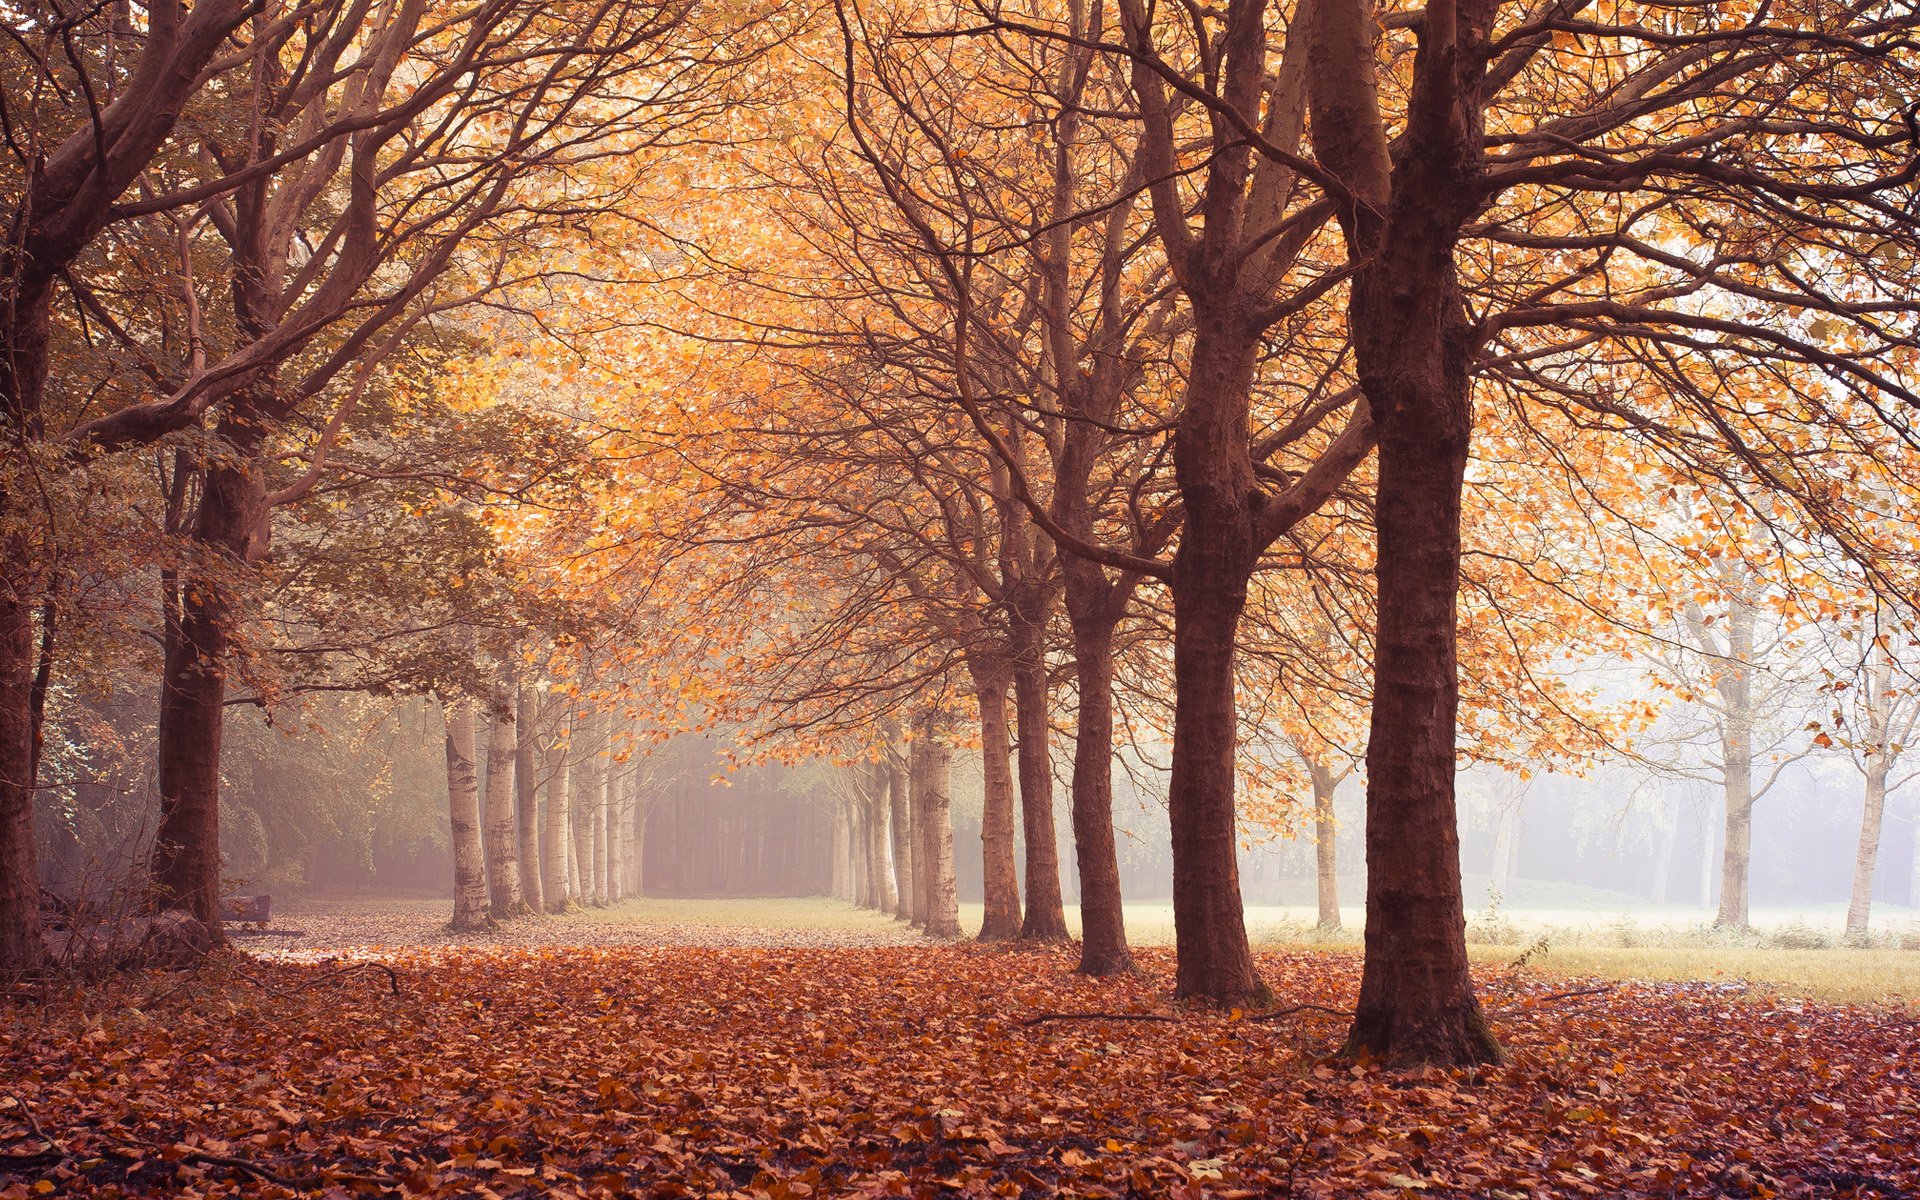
(899, 809)
(1733, 680)
(558, 837)
(21, 948)
(503, 848)
(637, 854)
(1000, 871)
(1046, 918)
(1209, 585)
(602, 802)
(1326, 846)
(1867, 855)
(232, 525)
(922, 826)
(1736, 848)
(1663, 860)
(1506, 844)
(1413, 352)
(842, 866)
(526, 795)
(1093, 606)
(943, 897)
(884, 899)
(463, 813)
(589, 780)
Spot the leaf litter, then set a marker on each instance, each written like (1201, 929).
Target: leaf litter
(916, 1070)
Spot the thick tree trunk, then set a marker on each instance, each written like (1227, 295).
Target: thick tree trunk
(232, 525)
(1000, 870)
(1326, 846)
(1103, 925)
(900, 810)
(463, 815)
(943, 897)
(1214, 959)
(1416, 996)
(1211, 568)
(21, 948)
(1046, 918)
(503, 845)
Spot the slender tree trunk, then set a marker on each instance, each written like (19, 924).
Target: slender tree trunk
(1000, 871)
(1879, 762)
(1506, 844)
(1708, 862)
(503, 847)
(885, 899)
(917, 802)
(232, 524)
(602, 802)
(900, 809)
(1860, 905)
(1736, 850)
(1046, 918)
(841, 889)
(463, 811)
(526, 795)
(1663, 860)
(558, 838)
(1326, 846)
(637, 856)
(943, 897)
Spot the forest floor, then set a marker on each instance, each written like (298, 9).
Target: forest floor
(850, 1068)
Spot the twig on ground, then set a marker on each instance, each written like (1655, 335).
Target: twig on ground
(1532, 1001)
(1278, 1013)
(1043, 1018)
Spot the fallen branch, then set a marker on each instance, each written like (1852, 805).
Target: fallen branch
(1278, 1013)
(1043, 1018)
(1531, 1001)
(393, 977)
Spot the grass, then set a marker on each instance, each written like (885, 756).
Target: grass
(1785, 955)
(1837, 976)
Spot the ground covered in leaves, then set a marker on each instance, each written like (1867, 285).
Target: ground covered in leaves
(906, 1070)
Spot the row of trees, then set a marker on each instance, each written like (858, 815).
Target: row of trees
(1267, 379)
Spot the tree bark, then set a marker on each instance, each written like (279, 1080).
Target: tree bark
(1326, 845)
(558, 837)
(1873, 809)
(922, 829)
(232, 524)
(1103, 927)
(21, 947)
(503, 849)
(526, 796)
(884, 898)
(463, 814)
(901, 811)
(1000, 871)
(1046, 918)
(943, 897)
(1214, 960)
(1734, 681)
